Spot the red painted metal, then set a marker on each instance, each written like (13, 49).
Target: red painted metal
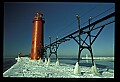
(37, 37)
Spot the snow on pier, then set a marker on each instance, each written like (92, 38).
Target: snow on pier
(39, 69)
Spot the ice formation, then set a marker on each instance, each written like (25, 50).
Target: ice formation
(77, 68)
(48, 63)
(39, 69)
(57, 62)
(94, 69)
(45, 60)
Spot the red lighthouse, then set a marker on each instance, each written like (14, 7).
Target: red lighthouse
(37, 37)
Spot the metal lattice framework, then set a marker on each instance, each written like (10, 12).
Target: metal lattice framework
(83, 44)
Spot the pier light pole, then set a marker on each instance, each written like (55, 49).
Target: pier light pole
(50, 47)
(89, 30)
(77, 16)
(90, 48)
(56, 48)
(77, 67)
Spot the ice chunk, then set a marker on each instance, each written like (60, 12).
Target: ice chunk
(18, 59)
(77, 69)
(57, 62)
(45, 60)
(40, 61)
(48, 63)
(94, 69)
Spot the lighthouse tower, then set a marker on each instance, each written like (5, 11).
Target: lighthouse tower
(37, 37)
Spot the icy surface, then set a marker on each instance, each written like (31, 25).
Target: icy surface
(77, 69)
(39, 69)
(100, 58)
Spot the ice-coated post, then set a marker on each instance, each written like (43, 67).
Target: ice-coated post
(77, 69)
(45, 60)
(94, 69)
(57, 62)
(48, 63)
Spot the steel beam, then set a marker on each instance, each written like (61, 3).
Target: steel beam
(86, 27)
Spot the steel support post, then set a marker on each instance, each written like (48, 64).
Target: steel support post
(79, 51)
(53, 48)
(50, 47)
(89, 47)
(56, 48)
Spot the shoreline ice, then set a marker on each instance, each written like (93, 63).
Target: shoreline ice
(38, 69)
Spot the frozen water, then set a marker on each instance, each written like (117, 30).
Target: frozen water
(39, 69)
(45, 60)
(94, 69)
(77, 69)
(57, 62)
(48, 63)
